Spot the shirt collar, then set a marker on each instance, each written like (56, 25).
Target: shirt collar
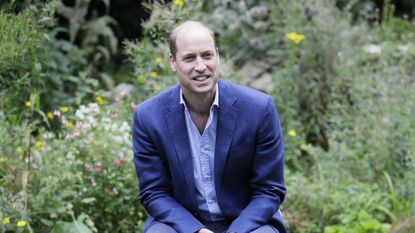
(215, 100)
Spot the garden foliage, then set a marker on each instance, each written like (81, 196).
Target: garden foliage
(342, 80)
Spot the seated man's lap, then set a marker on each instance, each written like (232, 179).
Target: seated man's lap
(266, 229)
(160, 228)
(164, 228)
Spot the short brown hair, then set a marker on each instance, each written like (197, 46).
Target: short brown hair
(173, 35)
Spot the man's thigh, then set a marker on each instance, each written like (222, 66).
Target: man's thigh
(266, 229)
(160, 228)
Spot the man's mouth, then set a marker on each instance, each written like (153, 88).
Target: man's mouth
(201, 77)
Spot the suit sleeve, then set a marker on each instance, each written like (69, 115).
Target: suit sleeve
(267, 181)
(155, 182)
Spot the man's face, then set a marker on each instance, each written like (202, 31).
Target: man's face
(196, 61)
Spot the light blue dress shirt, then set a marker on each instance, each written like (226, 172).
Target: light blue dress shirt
(203, 155)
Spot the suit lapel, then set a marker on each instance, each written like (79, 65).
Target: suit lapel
(227, 117)
(176, 123)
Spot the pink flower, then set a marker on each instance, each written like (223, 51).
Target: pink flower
(119, 162)
(57, 113)
(88, 168)
(133, 106)
(98, 170)
(63, 120)
(14, 172)
(72, 135)
(123, 94)
(106, 190)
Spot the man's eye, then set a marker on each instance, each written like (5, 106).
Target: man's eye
(187, 58)
(207, 55)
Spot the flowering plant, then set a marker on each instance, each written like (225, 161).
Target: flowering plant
(85, 170)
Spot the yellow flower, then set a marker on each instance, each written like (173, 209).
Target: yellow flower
(158, 60)
(28, 104)
(39, 145)
(157, 88)
(69, 125)
(50, 115)
(292, 133)
(141, 79)
(64, 109)
(19, 150)
(154, 74)
(21, 223)
(178, 3)
(99, 100)
(6, 220)
(295, 37)
(3, 159)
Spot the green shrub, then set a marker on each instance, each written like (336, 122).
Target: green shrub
(37, 68)
(358, 222)
(20, 59)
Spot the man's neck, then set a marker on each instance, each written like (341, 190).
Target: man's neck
(200, 103)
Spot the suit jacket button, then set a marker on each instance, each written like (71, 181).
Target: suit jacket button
(196, 214)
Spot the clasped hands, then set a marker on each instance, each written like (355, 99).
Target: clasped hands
(204, 230)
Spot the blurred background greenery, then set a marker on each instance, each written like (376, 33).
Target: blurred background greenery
(341, 73)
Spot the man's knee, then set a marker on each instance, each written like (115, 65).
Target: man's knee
(160, 228)
(266, 229)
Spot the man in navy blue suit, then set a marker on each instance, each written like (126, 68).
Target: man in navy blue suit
(208, 153)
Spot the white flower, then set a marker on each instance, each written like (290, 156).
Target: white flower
(80, 112)
(79, 125)
(115, 191)
(107, 127)
(403, 47)
(372, 49)
(63, 120)
(93, 107)
(70, 155)
(106, 120)
(125, 127)
(127, 139)
(114, 128)
(48, 135)
(117, 139)
(92, 121)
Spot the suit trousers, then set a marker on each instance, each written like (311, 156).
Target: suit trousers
(217, 227)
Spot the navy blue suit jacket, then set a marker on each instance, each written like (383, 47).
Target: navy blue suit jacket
(248, 165)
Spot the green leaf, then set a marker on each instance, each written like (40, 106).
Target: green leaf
(71, 227)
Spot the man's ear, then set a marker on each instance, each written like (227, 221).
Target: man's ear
(172, 62)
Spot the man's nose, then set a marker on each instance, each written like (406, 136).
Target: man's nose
(200, 65)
